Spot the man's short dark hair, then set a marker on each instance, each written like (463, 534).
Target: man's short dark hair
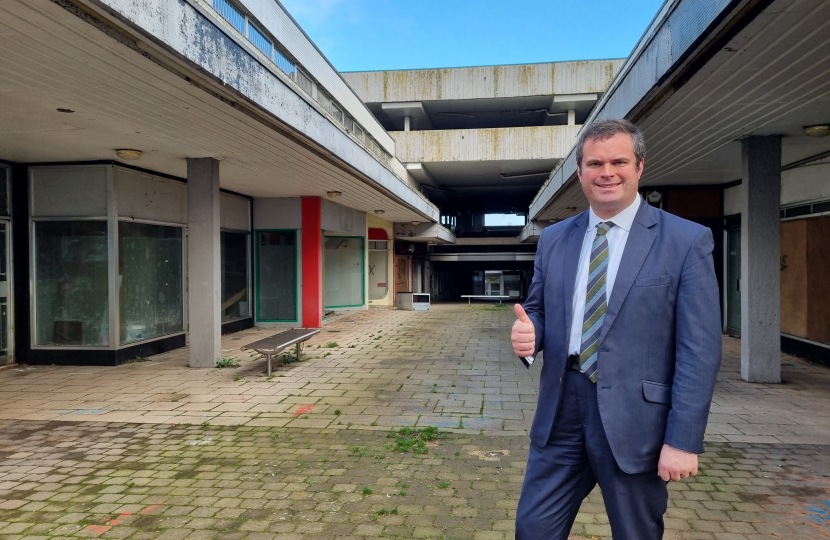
(605, 129)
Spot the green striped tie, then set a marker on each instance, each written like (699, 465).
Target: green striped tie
(595, 302)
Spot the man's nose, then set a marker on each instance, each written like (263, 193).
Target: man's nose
(607, 171)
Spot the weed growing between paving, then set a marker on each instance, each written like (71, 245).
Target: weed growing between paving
(136, 360)
(226, 362)
(414, 440)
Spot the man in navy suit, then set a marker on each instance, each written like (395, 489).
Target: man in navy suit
(624, 303)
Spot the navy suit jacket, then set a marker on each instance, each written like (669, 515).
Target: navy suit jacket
(660, 344)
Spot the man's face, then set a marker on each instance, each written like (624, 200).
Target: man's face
(609, 174)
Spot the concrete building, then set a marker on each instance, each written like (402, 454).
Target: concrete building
(480, 141)
(175, 170)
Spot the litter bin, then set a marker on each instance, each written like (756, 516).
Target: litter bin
(410, 301)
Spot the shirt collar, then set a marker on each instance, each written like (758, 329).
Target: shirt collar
(623, 220)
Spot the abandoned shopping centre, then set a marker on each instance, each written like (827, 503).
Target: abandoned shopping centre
(173, 171)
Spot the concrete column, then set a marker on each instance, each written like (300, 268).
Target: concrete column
(760, 260)
(204, 290)
(406, 122)
(312, 256)
(571, 117)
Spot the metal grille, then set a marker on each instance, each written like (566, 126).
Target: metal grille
(259, 41)
(230, 14)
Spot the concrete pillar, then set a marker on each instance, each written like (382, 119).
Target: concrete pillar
(312, 256)
(760, 260)
(204, 297)
(571, 117)
(406, 122)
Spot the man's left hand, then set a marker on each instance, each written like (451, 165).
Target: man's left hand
(675, 464)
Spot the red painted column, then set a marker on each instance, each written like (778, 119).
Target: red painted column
(312, 254)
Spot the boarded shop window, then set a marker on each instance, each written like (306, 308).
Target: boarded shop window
(71, 297)
(149, 281)
(276, 275)
(344, 271)
(234, 261)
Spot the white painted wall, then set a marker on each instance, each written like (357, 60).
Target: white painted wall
(280, 213)
(69, 191)
(145, 196)
(235, 212)
(338, 219)
(800, 185)
(807, 183)
(732, 200)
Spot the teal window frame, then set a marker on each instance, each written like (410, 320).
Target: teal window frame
(296, 269)
(363, 259)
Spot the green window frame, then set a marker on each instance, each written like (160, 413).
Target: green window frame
(363, 271)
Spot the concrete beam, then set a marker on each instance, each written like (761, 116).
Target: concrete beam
(760, 260)
(413, 110)
(204, 302)
(421, 174)
(568, 78)
(533, 230)
(432, 233)
(490, 144)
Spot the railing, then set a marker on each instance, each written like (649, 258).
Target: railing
(271, 48)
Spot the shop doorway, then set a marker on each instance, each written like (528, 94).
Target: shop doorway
(733, 281)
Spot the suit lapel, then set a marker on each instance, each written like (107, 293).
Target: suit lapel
(572, 252)
(640, 239)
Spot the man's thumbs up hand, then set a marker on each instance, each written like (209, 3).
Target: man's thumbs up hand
(523, 335)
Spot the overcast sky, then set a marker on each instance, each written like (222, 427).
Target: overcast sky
(362, 35)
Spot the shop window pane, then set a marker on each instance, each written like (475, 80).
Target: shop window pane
(378, 274)
(234, 259)
(344, 271)
(149, 281)
(277, 275)
(71, 283)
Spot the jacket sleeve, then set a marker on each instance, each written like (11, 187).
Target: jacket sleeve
(698, 344)
(535, 304)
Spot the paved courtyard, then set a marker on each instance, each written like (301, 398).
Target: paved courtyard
(155, 450)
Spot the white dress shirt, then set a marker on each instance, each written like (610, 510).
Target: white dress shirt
(617, 236)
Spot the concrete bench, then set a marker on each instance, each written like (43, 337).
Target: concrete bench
(273, 345)
(470, 297)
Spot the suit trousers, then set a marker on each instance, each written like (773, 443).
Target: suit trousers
(576, 457)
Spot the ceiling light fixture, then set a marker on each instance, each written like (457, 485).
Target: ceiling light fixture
(821, 130)
(380, 212)
(64, 110)
(415, 222)
(128, 154)
(333, 193)
(570, 208)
